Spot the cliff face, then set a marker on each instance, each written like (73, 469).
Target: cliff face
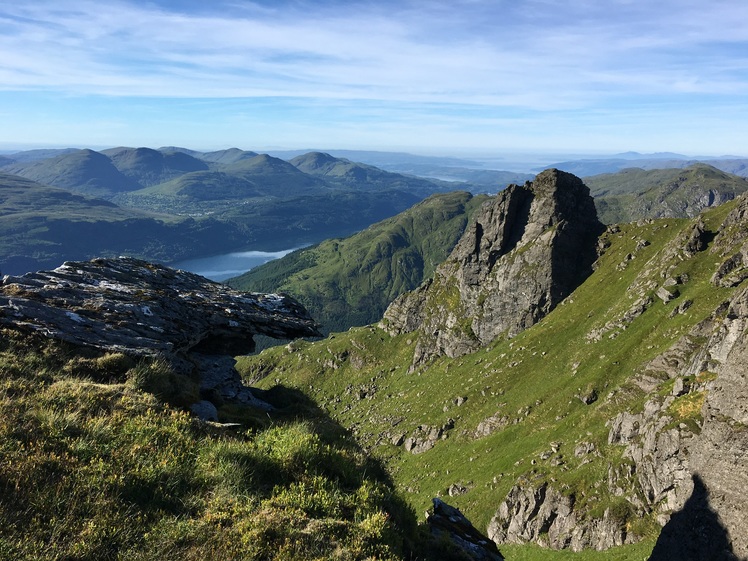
(718, 458)
(710, 519)
(528, 249)
(691, 476)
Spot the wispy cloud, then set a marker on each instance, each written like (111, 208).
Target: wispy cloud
(544, 56)
(464, 52)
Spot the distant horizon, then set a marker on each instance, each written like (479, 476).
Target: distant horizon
(497, 155)
(459, 153)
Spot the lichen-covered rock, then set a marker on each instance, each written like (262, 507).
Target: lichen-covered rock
(139, 308)
(528, 249)
(542, 514)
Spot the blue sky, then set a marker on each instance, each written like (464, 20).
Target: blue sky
(431, 76)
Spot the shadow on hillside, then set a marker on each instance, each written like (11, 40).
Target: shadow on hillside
(695, 533)
(293, 405)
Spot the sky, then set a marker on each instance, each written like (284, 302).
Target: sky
(426, 76)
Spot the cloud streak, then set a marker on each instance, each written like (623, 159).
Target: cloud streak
(510, 61)
(388, 54)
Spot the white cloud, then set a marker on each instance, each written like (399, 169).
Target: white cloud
(445, 52)
(453, 69)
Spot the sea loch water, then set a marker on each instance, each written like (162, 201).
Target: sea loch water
(222, 267)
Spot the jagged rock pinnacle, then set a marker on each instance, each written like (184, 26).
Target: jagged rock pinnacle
(527, 250)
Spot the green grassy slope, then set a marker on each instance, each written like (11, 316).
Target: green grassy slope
(228, 156)
(146, 166)
(204, 186)
(346, 173)
(634, 193)
(42, 226)
(351, 281)
(93, 465)
(82, 171)
(361, 380)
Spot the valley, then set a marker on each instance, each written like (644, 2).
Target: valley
(562, 360)
(174, 204)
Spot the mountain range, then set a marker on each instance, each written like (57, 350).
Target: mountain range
(634, 193)
(569, 386)
(237, 200)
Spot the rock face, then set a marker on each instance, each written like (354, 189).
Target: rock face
(544, 515)
(528, 249)
(712, 523)
(711, 520)
(140, 309)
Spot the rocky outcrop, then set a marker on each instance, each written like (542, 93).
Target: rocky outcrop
(542, 514)
(734, 268)
(425, 437)
(140, 309)
(447, 521)
(132, 306)
(528, 249)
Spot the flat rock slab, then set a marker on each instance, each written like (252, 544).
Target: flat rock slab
(140, 308)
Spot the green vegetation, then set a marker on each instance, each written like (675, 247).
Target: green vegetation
(361, 379)
(350, 282)
(82, 171)
(98, 459)
(145, 166)
(174, 205)
(531, 552)
(94, 467)
(633, 193)
(42, 226)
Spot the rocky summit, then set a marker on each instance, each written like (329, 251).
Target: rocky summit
(527, 250)
(137, 308)
(132, 306)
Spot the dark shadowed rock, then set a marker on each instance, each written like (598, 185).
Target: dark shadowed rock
(448, 520)
(695, 533)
